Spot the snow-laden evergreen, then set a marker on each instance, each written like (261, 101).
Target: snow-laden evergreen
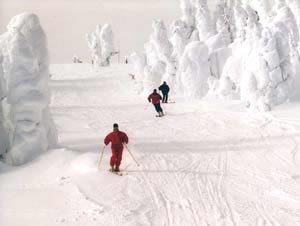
(107, 45)
(160, 64)
(4, 140)
(203, 20)
(244, 40)
(94, 44)
(194, 70)
(138, 61)
(25, 77)
(101, 45)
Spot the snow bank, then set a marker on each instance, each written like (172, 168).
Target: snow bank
(27, 116)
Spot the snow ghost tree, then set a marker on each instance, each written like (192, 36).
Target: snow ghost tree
(28, 120)
(159, 52)
(4, 140)
(100, 42)
(107, 45)
(253, 29)
(153, 76)
(139, 62)
(76, 59)
(188, 16)
(295, 7)
(222, 22)
(203, 20)
(159, 47)
(285, 15)
(264, 86)
(240, 61)
(179, 39)
(241, 22)
(194, 70)
(263, 8)
(94, 44)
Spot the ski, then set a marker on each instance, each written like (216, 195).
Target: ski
(117, 173)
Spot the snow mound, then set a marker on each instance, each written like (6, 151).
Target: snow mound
(102, 187)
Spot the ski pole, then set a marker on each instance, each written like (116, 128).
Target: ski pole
(131, 155)
(101, 156)
(163, 108)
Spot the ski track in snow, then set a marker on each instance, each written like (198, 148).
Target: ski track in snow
(201, 164)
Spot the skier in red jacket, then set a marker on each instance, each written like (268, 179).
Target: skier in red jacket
(155, 99)
(116, 138)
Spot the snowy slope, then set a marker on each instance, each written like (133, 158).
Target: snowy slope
(205, 163)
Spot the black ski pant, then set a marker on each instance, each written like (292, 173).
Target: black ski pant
(158, 107)
(165, 98)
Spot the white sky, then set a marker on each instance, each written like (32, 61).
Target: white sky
(67, 21)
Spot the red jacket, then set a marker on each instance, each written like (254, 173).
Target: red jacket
(154, 98)
(116, 138)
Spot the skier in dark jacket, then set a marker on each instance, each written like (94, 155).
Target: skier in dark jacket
(116, 138)
(155, 98)
(164, 88)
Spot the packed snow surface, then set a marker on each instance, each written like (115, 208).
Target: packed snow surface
(204, 163)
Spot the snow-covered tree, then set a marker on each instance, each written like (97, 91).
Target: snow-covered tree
(295, 7)
(203, 20)
(153, 76)
(241, 22)
(253, 29)
(179, 39)
(76, 59)
(188, 16)
(139, 62)
(94, 44)
(194, 70)
(222, 21)
(159, 48)
(283, 14)
(237, 64)
(26, 76)
(263, 9)
(107, 45)
(100, 42)
(4, 140)
(264, 86)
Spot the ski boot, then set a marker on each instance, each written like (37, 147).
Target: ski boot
(117, 169)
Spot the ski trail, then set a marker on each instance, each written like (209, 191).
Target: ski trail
(200, 164)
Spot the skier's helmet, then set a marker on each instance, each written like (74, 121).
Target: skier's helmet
(116, 125)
